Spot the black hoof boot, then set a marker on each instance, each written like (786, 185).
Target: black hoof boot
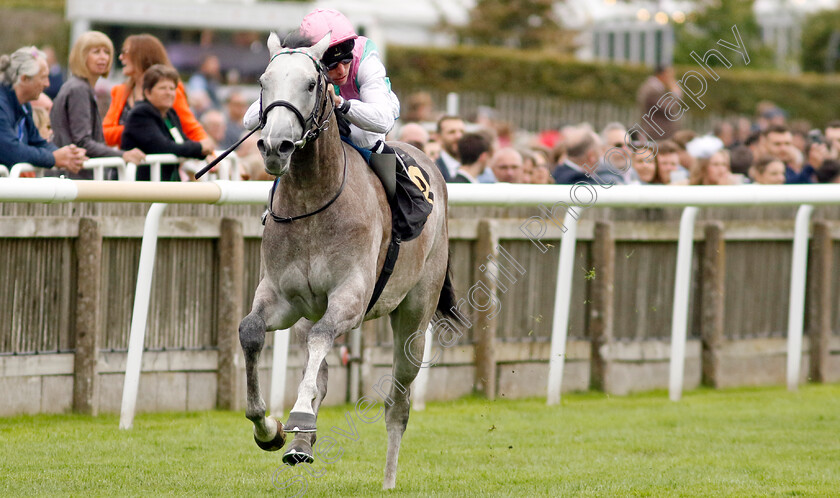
(299, 452)
(275, 444)
(300, 422)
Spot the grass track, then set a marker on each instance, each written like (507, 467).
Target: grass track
(745, 442)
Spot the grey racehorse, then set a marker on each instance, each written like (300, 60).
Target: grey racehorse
(323, 249)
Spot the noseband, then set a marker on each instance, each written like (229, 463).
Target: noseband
(312, 125)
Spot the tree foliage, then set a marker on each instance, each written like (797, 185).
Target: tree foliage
(712, 21)
(821, 42)
(529, 24)
(43, 27)
(523, 72)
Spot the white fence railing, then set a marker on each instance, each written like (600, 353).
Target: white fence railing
(227, 169)
(53, 190)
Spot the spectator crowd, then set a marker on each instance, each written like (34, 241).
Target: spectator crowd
(55, 121)
(653, 151)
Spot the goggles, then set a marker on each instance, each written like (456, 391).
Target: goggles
(339, 54)
(333, 65)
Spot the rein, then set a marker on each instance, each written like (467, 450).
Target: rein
(281, 219)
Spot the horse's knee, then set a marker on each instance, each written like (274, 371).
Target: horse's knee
(252, 333)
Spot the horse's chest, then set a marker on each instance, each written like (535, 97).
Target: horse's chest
(309, 261)
(311, 268)
(309, 277)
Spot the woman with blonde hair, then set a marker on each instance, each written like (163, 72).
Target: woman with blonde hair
(75, 115)
(139, 53)
(713, 170)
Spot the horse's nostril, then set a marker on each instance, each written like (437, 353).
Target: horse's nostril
(286, 147)
(267, 148)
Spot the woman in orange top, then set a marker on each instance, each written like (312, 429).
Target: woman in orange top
(139, 53)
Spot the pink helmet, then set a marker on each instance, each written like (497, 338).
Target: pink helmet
(319, 22)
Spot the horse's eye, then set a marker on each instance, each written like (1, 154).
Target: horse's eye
(311, 86)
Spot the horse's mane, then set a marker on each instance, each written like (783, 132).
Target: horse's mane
(296, 40)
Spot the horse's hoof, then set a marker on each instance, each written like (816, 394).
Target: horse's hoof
(300, 452)
(300, 422)
(275, 444)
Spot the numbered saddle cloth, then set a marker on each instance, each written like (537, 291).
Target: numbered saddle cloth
(413, 200)
(406, 186)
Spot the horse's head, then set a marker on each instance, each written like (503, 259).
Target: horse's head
(294, 101)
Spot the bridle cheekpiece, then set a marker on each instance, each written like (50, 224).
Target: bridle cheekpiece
(312, 125)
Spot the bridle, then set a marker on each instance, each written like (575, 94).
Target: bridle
(312, 126)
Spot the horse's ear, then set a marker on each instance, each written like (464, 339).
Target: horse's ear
(274, 44)
(317, 50)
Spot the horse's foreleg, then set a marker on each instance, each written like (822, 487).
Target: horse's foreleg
(300, 449)
(268, 432)
(341, 316)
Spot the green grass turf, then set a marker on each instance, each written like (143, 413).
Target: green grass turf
(745, 442)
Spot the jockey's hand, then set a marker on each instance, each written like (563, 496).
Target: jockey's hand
(336, 99)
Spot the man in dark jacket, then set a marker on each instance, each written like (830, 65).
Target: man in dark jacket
(450, 129)
(23, 76)
(583, 148)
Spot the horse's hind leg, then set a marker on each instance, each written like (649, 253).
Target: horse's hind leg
(410, 317)
(268, 432)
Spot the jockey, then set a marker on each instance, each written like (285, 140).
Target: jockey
(361, 90)
(363, 100)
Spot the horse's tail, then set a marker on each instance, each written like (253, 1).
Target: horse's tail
(447, 302)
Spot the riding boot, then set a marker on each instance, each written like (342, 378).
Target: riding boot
(384, 164)
(410, 205)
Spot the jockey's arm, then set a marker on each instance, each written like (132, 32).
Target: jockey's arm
(378, 107)
(376, 111)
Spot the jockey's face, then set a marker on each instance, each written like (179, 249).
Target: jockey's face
(340, 73)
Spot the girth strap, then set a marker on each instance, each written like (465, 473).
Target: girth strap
(387, 269)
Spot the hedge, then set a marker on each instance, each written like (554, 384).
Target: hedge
(815, 98)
